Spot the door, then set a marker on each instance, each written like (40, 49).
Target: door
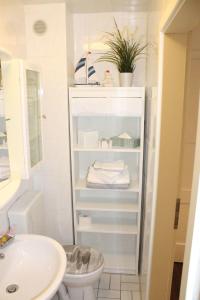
(190, 287)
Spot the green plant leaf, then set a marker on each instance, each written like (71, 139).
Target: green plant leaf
(124, 51)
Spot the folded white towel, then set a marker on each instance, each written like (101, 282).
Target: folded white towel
(108, 177)
(116, 166)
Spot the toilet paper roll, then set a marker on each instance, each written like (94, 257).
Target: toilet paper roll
(85, 220)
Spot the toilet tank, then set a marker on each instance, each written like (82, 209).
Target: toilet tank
(26, 215)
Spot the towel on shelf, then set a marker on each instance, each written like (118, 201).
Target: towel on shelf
(108, 175)
(107, 186)
(116, 166)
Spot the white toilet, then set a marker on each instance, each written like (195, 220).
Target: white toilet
(84, 264)
(84, 268)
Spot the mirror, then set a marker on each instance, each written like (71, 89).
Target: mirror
(34, 121)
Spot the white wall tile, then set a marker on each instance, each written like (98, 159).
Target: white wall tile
(89, 31)
(49, 53)
(12, 24)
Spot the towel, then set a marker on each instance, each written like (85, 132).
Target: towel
(100, 176)
(107, 186)
(116, 166)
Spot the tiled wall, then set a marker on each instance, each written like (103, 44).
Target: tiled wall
(89, 31)
(12, 40)
(12, 28)
(49, 53)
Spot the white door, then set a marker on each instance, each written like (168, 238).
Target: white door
(190, 287)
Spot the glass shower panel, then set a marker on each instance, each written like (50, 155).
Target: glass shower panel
(33, 98)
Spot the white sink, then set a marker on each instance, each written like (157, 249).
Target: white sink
(35, 264)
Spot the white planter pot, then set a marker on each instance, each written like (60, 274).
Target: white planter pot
(125, 79)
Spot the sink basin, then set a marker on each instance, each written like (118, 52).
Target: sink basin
(31, 268)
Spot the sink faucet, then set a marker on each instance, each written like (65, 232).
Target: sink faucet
(6, 239)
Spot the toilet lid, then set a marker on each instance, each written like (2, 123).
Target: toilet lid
(82, 259)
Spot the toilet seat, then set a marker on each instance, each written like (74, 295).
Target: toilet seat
(82, 260)
(84, 268)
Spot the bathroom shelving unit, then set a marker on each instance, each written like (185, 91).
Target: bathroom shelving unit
(115, 213)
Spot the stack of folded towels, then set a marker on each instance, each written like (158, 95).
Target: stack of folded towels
(4, 168)
(108, 175)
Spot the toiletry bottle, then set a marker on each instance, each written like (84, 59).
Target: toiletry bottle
(108, 80)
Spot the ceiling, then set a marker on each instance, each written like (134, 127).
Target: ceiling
(81, 6)
(94, 6)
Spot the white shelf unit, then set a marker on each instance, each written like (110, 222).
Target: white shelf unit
(115, 213)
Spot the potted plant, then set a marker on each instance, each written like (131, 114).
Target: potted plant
(124, 52)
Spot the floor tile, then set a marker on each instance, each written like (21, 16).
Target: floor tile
(106, 299)
(135, 295)
(126, 295)
(96, 285)
(96, 292)
(104, 281)
(129, 278)
(110, 294)
(125, 286)
(115, 282)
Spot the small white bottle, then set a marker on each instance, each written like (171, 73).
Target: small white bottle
(108, 80)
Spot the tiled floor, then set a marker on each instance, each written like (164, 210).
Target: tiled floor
(117, 287)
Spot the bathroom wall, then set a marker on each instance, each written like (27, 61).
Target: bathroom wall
(48, 51)
(89, 33)
(12, 40)
(12, 27)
